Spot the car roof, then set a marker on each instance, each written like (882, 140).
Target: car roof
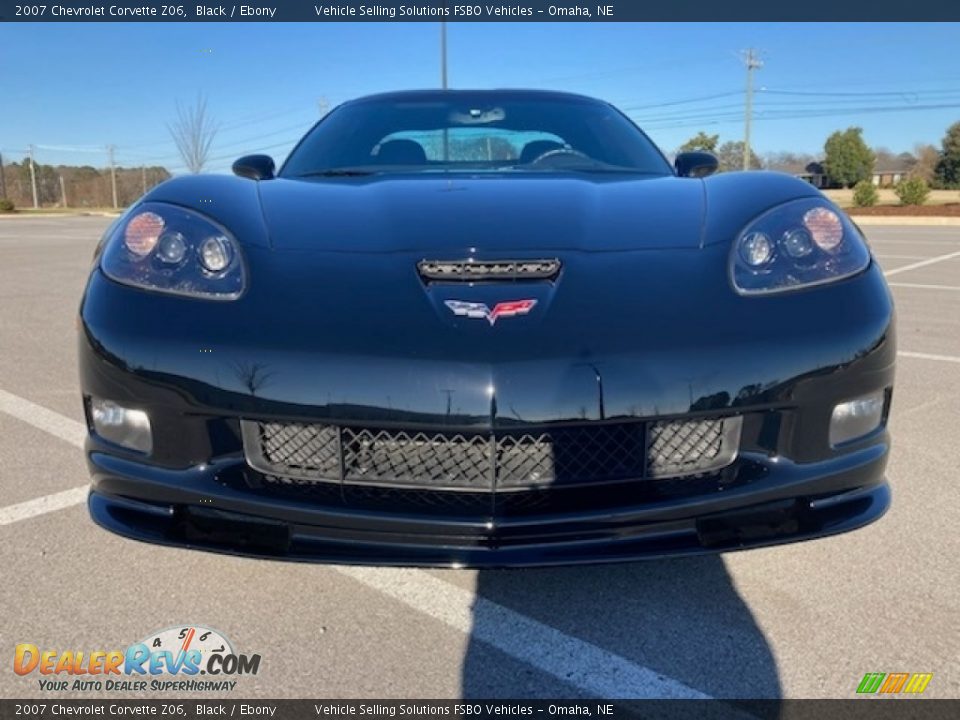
(501, 94)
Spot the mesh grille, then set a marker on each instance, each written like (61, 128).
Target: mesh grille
(304, 451)
(484, 462)
(474, 270)
(571, 455)
(683, 446)
(416, 459)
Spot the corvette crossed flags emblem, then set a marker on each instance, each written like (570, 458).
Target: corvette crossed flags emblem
(479, 311)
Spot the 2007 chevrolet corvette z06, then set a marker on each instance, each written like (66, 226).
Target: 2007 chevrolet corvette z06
(484, 328)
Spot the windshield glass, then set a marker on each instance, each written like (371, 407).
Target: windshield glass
(475, 132)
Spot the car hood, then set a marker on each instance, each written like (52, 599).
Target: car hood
(497, 213)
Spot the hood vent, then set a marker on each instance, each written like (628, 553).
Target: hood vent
(487, 270)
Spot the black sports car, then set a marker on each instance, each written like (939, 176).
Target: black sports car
(484, 328)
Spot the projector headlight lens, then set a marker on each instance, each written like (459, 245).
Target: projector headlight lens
(756, 249)
(215, 253)
(172, 248)
(797, 243)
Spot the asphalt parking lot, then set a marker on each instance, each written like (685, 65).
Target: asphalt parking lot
(804, 620)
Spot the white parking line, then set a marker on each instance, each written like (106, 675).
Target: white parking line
(40, 417)
(884, 256)
(43, 505)
(921, 286)
(912, 241)
(929, 356)
(922, 263)
(588, 667)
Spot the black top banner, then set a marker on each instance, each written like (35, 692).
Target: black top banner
(503, 11)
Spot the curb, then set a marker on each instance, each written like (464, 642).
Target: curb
(31, 216)
(906, 220)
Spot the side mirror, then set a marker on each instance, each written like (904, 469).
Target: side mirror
(255, 167)
(696, 164)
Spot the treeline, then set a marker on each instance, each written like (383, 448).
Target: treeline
(84, 186)
(847, 159)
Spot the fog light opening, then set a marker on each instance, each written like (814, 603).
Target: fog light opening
(857, 418)
(126, 427)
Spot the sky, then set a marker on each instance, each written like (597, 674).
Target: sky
(71, 89)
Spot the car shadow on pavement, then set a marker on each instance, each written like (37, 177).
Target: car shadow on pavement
(682, 619)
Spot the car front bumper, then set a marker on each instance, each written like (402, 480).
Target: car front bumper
(197, 489)
(196, 508)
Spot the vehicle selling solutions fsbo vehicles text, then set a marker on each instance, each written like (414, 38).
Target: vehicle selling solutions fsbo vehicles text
(341, 11)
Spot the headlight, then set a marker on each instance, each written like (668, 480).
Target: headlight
(797, 244)
(175, 250)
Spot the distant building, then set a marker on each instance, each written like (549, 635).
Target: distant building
(888, 173)
(813, 173)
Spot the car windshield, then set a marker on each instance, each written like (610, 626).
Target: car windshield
(474, 132)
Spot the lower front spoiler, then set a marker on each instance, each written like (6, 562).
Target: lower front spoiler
(766, 523)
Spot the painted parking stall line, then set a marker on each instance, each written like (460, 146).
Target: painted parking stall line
(577, 662)
(929, 356)
(43, 505)
(922, 286)
(922, 263)
(43, 418)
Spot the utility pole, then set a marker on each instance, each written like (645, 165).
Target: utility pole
(143, 176)
(63, 192)
(3, 179)
(323, 105)
(113, 175)
(443, 55)
(33, 179)
(443, 83)
(753, 62)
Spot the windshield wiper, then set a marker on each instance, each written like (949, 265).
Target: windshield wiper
(600, 168)
(337, 172)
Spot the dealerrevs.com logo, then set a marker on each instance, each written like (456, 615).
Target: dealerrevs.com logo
(170, 660)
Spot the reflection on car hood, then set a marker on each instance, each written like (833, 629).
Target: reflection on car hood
(453, 213)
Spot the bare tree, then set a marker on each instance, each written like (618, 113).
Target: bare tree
(927, 158)
(193, 133)
(253, 375)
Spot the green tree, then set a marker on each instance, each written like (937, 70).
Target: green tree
(865, 194)
(701, 141)
(848, 159)
(912, 191)
(948, 167)
(730, 155)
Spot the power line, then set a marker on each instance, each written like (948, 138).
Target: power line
(786, 115)
(685, 101)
